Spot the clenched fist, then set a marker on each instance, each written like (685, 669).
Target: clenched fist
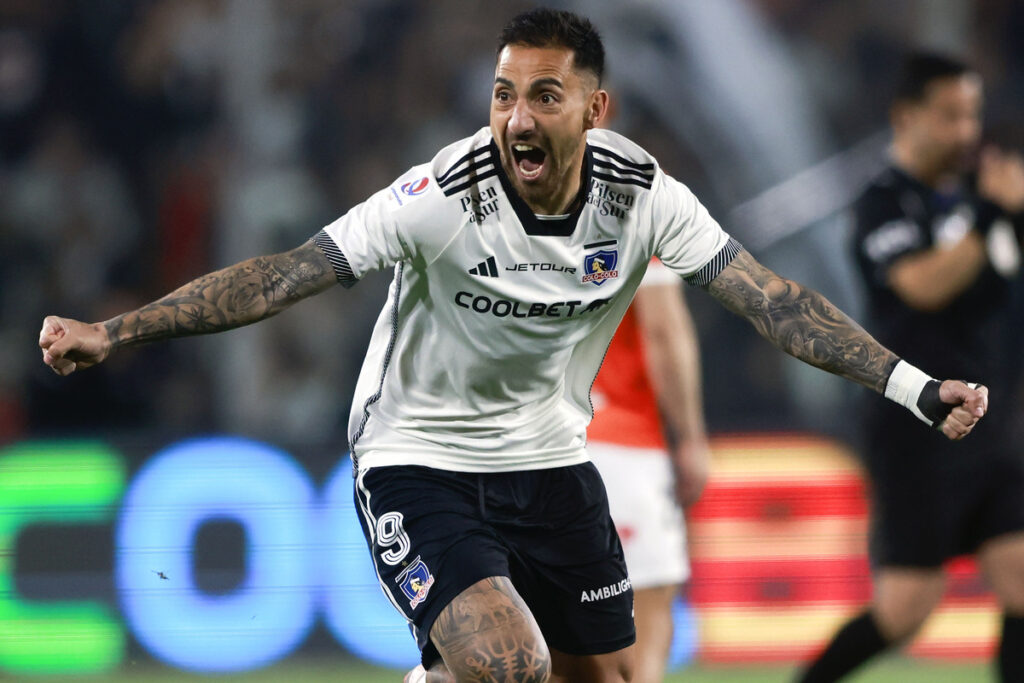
(70, 345)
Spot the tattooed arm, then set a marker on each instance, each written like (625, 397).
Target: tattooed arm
(804, 324)
(237, 295)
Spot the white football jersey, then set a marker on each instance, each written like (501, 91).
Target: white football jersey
(497, 320)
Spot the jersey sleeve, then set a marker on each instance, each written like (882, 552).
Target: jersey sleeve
(657, 274)
(884, 232)
(381, 231)
(688, 240)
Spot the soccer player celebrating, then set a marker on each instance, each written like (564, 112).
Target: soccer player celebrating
(937, 258)
(516, 252)
(650, 376)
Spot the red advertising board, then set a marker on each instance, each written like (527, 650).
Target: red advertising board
(779, 550)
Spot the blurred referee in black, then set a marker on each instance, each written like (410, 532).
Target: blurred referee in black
(939, 254)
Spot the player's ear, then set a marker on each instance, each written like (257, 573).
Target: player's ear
(597, 109)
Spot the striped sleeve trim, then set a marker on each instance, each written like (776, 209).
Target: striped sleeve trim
(342, 269)
(704, 276)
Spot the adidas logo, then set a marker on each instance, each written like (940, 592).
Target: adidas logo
(488, 268)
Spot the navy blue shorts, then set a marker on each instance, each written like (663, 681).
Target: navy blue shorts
(434, 533)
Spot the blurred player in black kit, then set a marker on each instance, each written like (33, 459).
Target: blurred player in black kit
(939, 254)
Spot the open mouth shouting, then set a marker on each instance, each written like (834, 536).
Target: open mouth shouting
(528, 160)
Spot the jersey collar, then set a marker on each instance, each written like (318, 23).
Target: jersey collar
(562, 227)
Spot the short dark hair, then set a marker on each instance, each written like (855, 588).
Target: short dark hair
(543, 27)
(921, 69)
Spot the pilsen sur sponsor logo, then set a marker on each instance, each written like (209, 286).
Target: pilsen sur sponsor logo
(480, 205)
(606, 592)
(609, 202)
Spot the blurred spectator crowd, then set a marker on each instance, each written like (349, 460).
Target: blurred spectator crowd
(145, 142)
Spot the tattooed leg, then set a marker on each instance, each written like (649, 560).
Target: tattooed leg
(488, 635)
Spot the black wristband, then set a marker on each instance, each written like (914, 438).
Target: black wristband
(931, 406)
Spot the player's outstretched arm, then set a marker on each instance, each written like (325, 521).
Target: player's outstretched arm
(234, 296)
(805, 324)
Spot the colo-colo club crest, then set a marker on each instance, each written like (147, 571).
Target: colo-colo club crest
(600, 266)
(415, 582)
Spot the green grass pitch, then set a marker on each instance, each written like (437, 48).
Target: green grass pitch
(892, 669)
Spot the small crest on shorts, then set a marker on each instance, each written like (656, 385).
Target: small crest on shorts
(415, 582)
